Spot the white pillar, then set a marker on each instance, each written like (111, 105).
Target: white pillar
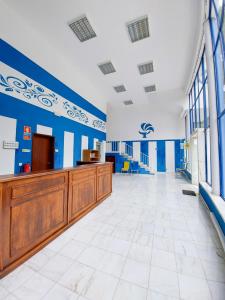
(214, 153)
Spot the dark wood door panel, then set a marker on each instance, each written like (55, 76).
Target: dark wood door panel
(42, 152)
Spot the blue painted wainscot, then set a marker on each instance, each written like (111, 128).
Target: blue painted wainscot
(31, 95)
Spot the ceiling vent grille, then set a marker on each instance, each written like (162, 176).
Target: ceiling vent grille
(82, 28)
(119, 88)
(128, 102)
(138, 29)
(107, 68)
(146, 68)
(150, 88)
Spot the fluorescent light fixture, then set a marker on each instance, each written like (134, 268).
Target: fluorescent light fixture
(146, 68)
(119, 88)
(138, 29)
(107, 68)
(150, 88)
(128, 102)
(82, 28)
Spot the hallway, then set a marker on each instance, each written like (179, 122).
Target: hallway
(145, 242)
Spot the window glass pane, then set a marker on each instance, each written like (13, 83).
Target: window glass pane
(201, 108)
(208, 156)
(197, 114)
(207, 104)
(200, 79)
(220, 76)
(222, 153)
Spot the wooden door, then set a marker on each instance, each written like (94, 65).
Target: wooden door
(42, 152)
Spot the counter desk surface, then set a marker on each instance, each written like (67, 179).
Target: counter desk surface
(36, 207)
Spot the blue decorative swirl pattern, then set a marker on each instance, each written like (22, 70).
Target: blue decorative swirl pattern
(28, 90)
(31, 91)
(99, 124)
(75, 113)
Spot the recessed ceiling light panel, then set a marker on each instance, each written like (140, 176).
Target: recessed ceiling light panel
(82, 28)
(138, 29)
(107, 68)
(150, 88)
(146, 68)
(120, 88)
(128, 102)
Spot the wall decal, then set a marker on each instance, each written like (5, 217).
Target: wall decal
(17, 85)
(146, 129)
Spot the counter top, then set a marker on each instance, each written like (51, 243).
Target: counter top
(12, 177)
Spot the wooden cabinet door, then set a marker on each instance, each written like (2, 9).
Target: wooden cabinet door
(34, 211)
(82, 191)
(104, 181)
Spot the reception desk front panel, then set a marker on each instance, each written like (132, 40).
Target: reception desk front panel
(37, 207)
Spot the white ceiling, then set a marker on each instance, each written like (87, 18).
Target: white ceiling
(174, 31)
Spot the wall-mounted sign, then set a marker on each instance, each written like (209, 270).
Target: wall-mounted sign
(27, 133)
(146, 128)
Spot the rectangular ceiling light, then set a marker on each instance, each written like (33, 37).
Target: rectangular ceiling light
(128, 102)
(120, 88)
(107, 68)
(150, 88)
(138, 29)
(82, 28)
(146, 68)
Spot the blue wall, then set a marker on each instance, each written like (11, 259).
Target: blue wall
(30, 115)
(161, 156)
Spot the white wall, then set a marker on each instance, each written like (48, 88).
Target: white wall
(123, 123)
(7, 156)
(21, 35)
(68, 149)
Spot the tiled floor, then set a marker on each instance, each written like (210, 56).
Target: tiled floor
(146, 242)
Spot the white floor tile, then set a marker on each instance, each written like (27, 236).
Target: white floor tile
(56, 267)
(77, 278)
(136, 272)
(17, 278)
(3, 293)
(217, 290)
(73, 249)
(91, 256)
(189, 266)
(214, 271)
(193, 288)
(163, 259)
(37, 261)
(164, 282)
(140, 253)
(101, 287)
(35, 288)
(127, 290)
(60, 293)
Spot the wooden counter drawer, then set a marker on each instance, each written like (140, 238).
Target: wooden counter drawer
(104, 169)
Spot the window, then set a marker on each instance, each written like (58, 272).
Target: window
(199, 111)
(218, 35)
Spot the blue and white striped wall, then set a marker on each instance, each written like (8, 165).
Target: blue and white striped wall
(30, 96)
(164, 155)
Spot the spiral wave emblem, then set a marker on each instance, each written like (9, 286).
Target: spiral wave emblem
(146, 128)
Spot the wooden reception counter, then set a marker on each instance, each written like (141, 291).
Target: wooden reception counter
(37, 207)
